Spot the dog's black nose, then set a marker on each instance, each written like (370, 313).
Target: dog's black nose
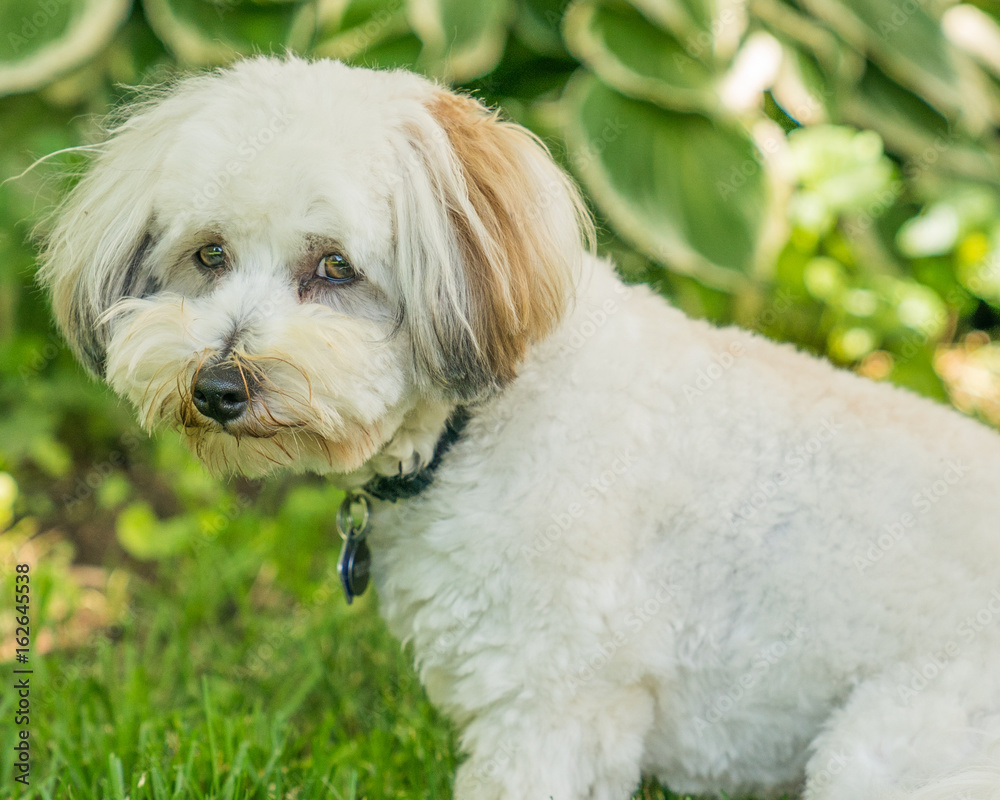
(221, 392)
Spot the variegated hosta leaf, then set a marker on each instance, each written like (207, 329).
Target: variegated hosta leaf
(462, 40)
(801, 89)
(976, 32)
(375, 32)
(914, 130)
(399, 51)
(904, 40)
(539, 25)
(686, 18)
(688, 192)
(203, 32)
(638, 59)
(43, 39)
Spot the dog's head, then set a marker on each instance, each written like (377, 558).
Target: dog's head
(285, 259)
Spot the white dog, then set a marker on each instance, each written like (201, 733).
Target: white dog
(621, 542)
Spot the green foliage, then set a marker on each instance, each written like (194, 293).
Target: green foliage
(825, 171)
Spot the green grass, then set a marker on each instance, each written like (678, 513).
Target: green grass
(222, 686)
(231, 681)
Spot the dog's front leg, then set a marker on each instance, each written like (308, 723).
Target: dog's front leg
(585, 744)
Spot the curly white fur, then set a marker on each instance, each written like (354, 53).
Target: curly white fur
(658, 547)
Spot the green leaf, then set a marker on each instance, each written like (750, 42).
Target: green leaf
(397, 52)
(703, 13)
(145, 536)
(686, 18)
(462, 40)
(638, 59)
(366, 27)
(539, 26)
(43, 39)
(205, 33)
(356, 13)
(812, 49)
(802, 90)
(688, 192)
(913, 129)
(916, 372)
(904, 40)
(976, 32)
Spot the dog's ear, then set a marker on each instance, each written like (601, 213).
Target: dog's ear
(97, 246)
(490, 234)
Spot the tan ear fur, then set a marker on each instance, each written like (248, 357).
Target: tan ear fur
(521, 244)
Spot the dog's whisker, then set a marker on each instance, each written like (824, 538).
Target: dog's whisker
(305, 376)
(152, 382)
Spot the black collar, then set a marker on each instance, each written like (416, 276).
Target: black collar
(399, 487)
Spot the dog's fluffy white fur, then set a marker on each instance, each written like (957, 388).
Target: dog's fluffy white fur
(657, 548)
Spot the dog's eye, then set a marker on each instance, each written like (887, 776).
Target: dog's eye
(212, 256)
(334, 268)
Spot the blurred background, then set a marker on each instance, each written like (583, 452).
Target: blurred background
(823, 171)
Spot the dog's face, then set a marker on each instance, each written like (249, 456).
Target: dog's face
(285, 259)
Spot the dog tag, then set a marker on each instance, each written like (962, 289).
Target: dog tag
(354, 566)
